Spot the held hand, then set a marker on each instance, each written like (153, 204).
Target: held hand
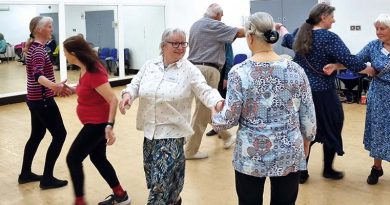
(125, 104)
(110, 136)
(277, 26)
(219, 106)
(225, 84)
(306, 147)
(65, 91)
(370, 71)
(329, 69)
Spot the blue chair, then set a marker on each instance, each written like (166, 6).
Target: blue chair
(127, 58)
(350, 81)
(104, 53)
(239, 58)
(112, 58)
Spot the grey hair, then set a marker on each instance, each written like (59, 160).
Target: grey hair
(39, 22)
(213, 10)
(259, 23)
(383, 19)
(169, 32)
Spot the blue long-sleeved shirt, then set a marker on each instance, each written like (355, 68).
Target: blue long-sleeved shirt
(327, 48)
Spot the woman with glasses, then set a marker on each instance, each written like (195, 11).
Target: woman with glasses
(166, 87)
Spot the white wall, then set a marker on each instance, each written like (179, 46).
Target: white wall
(15, 22)
(357, 12)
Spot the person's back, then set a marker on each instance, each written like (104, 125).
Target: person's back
(269, 97)
(207, 41)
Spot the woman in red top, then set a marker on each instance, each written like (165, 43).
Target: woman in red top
(96, 109)
(41, 89)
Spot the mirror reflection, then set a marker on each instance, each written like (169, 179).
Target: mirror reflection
(142, 34)
(14, 21)
(98, 25)
(141, 26)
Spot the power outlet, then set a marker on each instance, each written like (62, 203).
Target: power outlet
(358, 27)
(352, 28)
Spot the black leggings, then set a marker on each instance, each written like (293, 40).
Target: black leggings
(329, 155)
(90, 141)
(44, 116)
(284, 189)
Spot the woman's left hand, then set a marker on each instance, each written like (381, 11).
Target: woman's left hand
(329, 68)
(110, 136)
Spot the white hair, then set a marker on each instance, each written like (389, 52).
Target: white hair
(258, 23)
(169, 32)
(213, 10)
(383, 19)
(44, 20)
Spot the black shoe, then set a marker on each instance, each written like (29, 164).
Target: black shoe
(112, 199)
(374, 175)
(333, 174)
(30, 177)
(303, 176)
(211, 133)
(52, 183)
(178, 202)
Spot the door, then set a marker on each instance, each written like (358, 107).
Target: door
(295, 13)
(99, 28)
(274, 8)
(291, 13)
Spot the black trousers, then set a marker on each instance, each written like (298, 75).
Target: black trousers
(44, 115)
(284, 189)
(90, 141)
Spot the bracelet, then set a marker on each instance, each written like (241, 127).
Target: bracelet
(110, 124)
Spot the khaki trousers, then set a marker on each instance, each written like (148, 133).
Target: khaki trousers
(202, 114)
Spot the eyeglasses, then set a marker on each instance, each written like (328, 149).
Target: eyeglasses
(177, 44)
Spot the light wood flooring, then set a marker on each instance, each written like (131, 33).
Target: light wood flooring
(207, 182)
(13, 77)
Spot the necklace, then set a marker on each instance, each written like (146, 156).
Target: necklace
(265, 51)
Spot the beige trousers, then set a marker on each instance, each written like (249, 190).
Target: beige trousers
(202, 114)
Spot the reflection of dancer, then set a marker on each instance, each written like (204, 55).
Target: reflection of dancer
(41, 89)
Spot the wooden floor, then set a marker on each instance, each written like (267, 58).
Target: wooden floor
(207, 182)
(13, 77)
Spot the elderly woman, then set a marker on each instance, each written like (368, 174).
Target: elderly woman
(166, 87)
(270, 98)
(45, 115)
(315, 46)
(377, 131)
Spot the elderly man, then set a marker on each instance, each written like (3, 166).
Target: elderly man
(207, 41)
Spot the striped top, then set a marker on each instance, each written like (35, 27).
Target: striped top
(38, 63)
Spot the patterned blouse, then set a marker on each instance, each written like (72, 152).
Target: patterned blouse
(272, 103)
(166, 95)
(377, 55)
(327, 48)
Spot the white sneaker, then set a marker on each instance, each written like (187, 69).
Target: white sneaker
(198, 155)
(229, 142)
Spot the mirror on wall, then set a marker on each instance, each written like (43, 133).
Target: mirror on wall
(142, 33)
(14, 21)
(98, 25)
(141, 26)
